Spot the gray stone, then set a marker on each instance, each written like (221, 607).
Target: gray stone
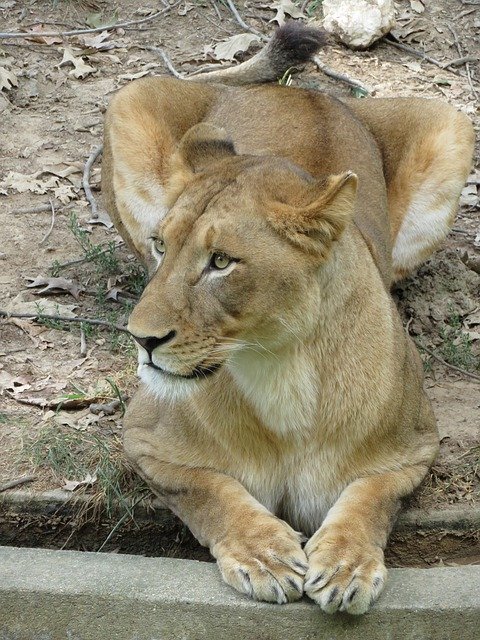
(56, 595)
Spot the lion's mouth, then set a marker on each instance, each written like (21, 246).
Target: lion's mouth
(199, 372)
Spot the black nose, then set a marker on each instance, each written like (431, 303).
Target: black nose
(152, 342)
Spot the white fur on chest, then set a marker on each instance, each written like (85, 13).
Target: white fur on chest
(281, 389)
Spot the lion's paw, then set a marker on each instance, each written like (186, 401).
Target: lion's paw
(343, 575)
(267, 563)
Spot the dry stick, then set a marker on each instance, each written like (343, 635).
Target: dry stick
(85, 180)
(328, 71)
(77, 32)
(459, 61)
(166, 60)
(41, 208)
(47, 235)
(45, 316)
(419, 54)
(15, 483)
(445, 363)
(243, 24)
(467, 65)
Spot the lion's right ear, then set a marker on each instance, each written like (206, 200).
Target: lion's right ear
(202, 145)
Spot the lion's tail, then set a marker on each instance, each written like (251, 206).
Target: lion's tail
(291, 45)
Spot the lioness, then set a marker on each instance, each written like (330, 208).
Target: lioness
(280, 394)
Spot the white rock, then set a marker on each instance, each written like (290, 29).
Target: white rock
(358, 23)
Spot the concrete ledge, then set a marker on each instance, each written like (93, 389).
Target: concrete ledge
(56, 595)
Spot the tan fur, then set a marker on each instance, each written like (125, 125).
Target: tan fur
(307, 409)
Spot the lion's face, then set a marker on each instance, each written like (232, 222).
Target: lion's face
(234, 266)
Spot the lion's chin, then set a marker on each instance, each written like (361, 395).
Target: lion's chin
(167, 386)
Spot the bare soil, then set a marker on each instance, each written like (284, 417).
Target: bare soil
(54, 119)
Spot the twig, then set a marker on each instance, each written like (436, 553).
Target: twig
(445, 363)
(83, 342)
(339, 76)
(459, 61)
(47, 235)
(419, 54)
(166, 60)
(242, 23)
(45, 316)
(86, 180)
(467, 61)
(41, 208)
(216, 9)
(77, 32)
(17, 482)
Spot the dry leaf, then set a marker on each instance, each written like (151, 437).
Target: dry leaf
(71, 485)
(42, 305)
(55, 285)
(97, 41)
(283, 8)
(228, 49)
(22, 182)
(64, 193)
(469, 197)
(14, 384)
(80, 68)
(417, 6)
(35, 35)
(7, 79)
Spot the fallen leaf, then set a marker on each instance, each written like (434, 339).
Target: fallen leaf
(102, 218)
(14, 384)
(283, 8)
(34, 34)
(71, 485)
(55, 285)
(8, 79)
(228, 49)
(65, 193)
(469, 197)
(22, 182)
(80, 68)
(42, 305)
(133, 76)
(417, 6)
(97, 41)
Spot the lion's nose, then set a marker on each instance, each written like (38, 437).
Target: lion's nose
(152, 342)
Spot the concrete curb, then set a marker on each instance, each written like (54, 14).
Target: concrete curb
(458, 518)
(53, 595)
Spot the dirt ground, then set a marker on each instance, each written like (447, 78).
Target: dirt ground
(51, 121)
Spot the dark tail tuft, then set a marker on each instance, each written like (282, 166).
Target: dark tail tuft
(294, 44)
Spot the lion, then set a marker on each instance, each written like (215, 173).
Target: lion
(281, 412)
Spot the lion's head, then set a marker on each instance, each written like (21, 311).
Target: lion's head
(234, 263)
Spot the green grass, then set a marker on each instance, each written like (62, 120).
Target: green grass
(456, 347)
(74, 455)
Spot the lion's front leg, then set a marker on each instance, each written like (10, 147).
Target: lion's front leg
(346, 565)
(257, 553)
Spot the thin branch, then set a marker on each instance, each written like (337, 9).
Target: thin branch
(45, 316)
(42, 208)
(328, 71)
(77, 32)
(10, 484)
(86, 180)
(445, 363)
(466, 59)
(459, 61)
(166, 60)
(242, 23)
(47, 235)
(420, 54)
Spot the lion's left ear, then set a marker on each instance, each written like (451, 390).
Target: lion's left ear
(201, 145)
(321, 214)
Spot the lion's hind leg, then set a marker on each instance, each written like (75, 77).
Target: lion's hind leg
(427, 149)
(423, 197)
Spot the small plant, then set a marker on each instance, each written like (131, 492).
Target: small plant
(456, 348)
(103, 257)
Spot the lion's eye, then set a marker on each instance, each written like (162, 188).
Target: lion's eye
(159, 245)
(219, 261)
